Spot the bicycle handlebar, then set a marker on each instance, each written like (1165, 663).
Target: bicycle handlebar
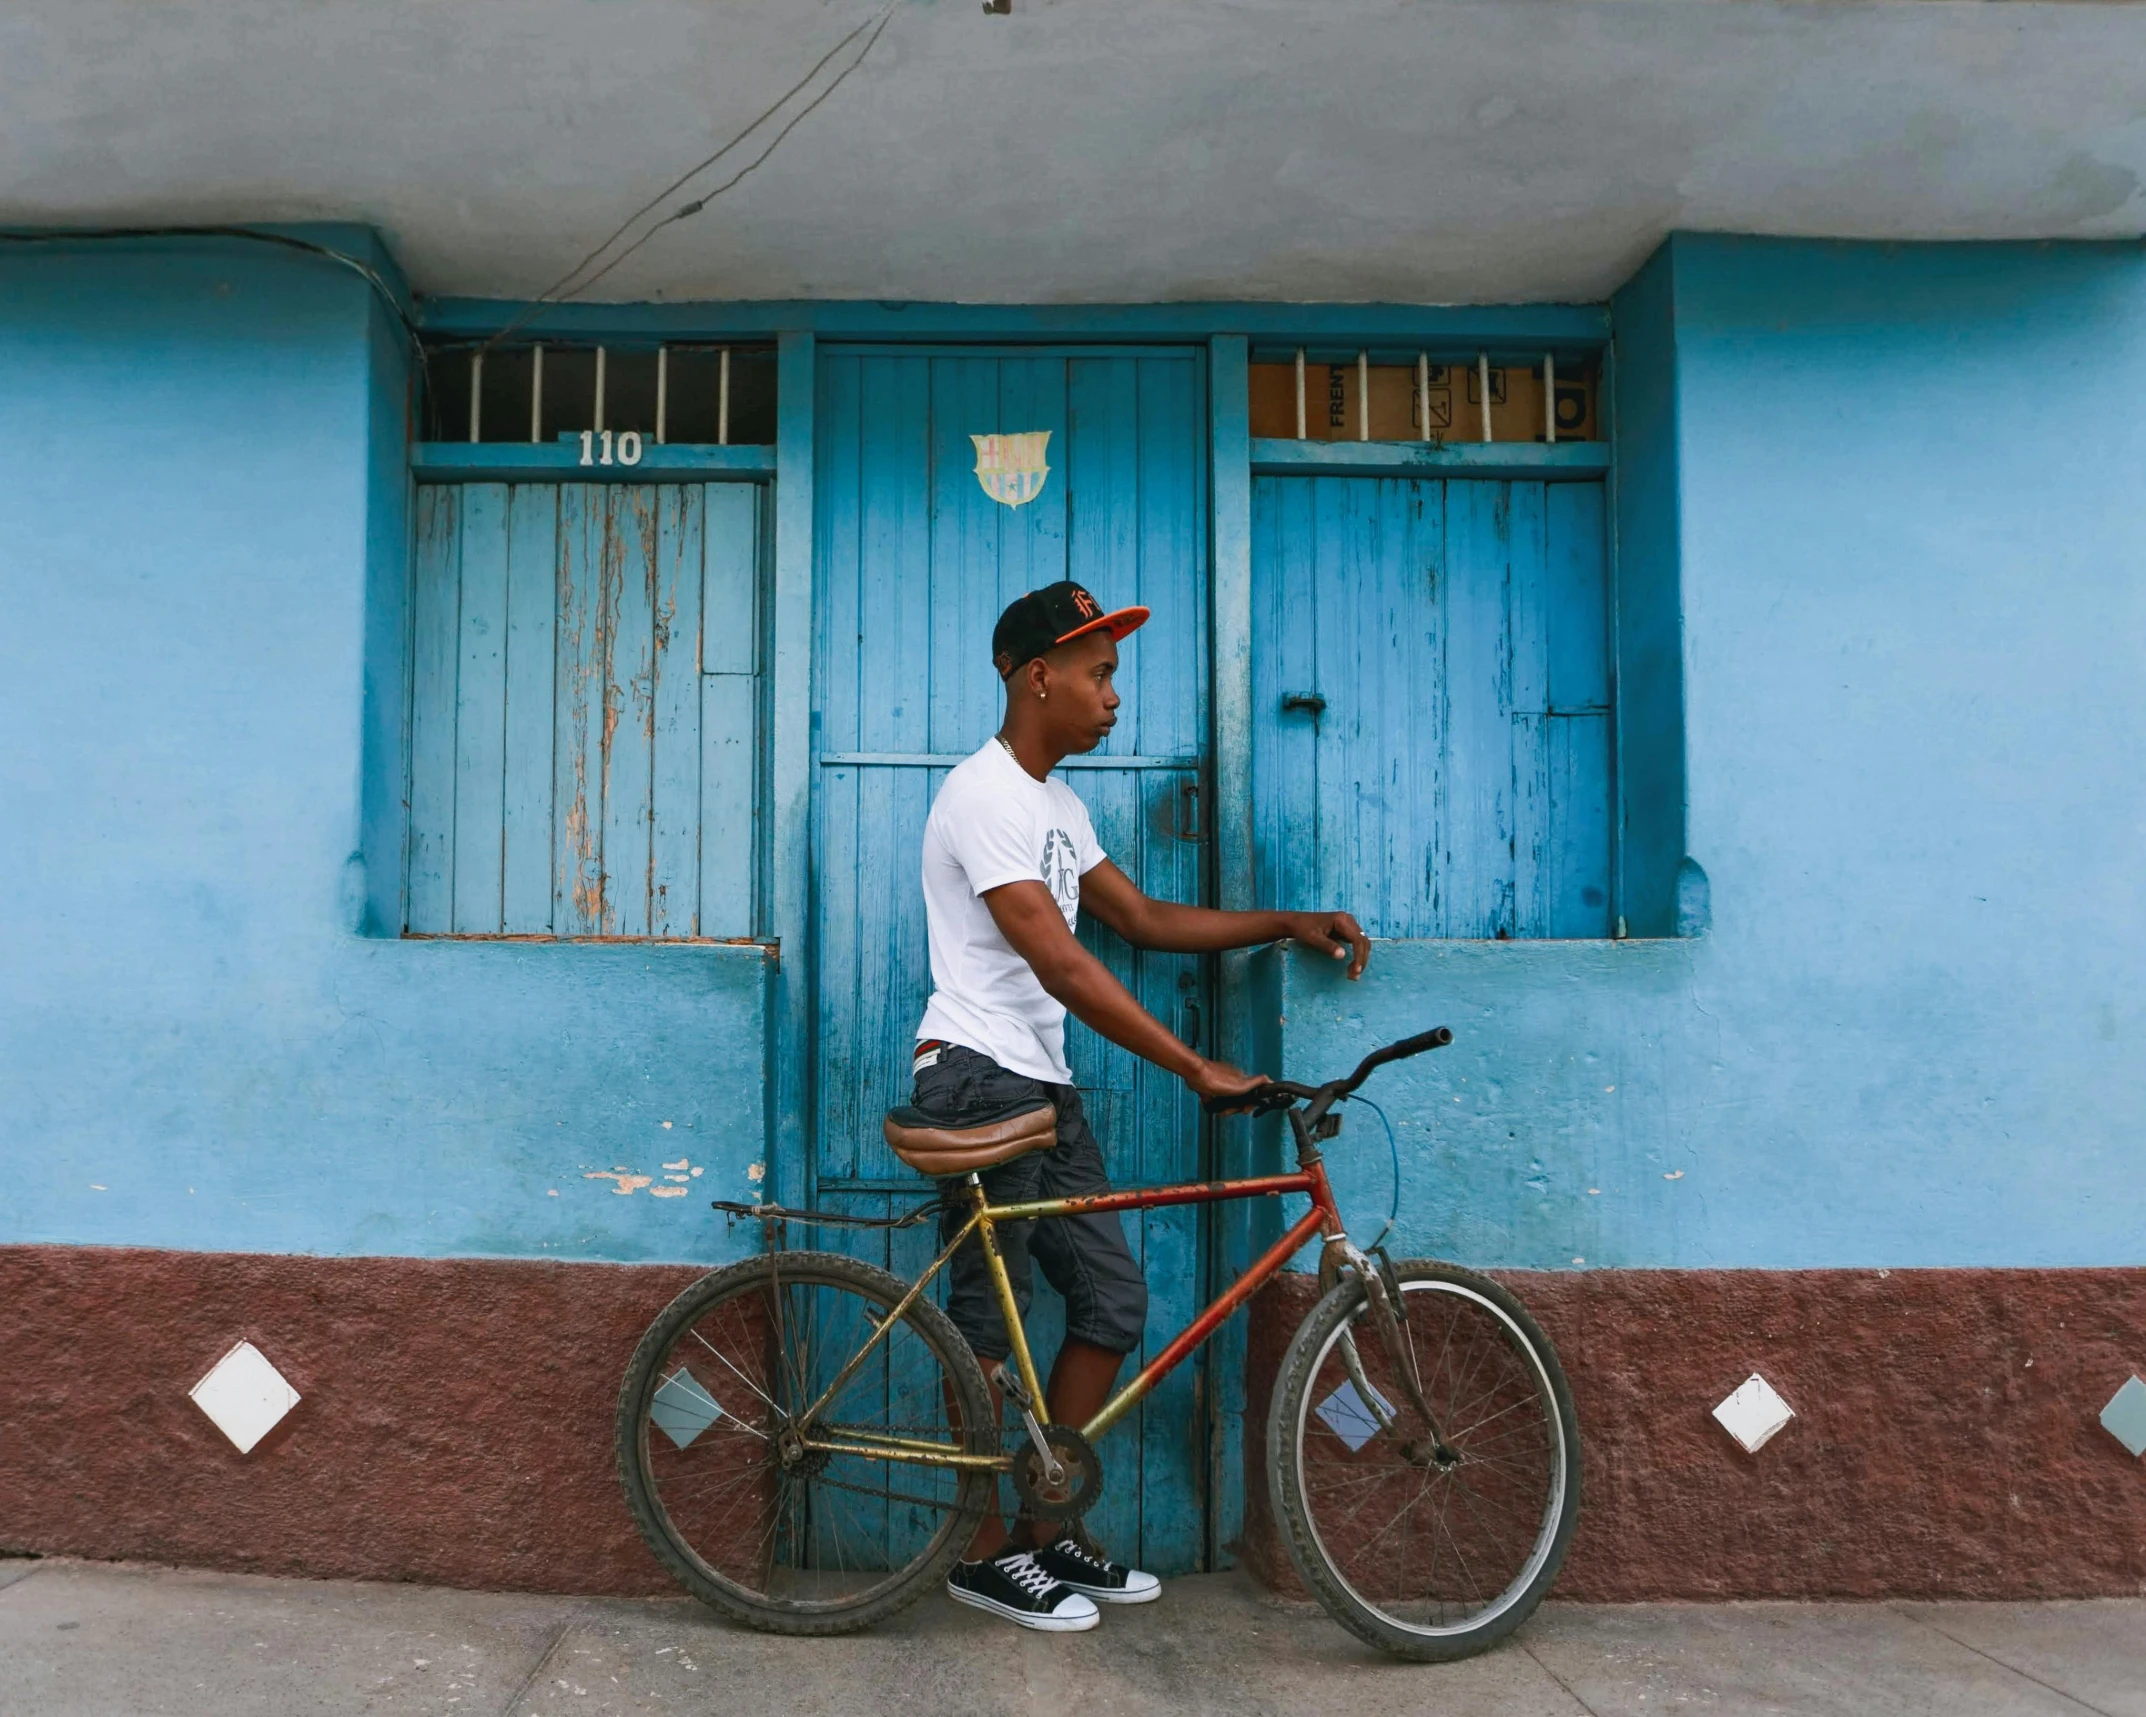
(1280, 1093)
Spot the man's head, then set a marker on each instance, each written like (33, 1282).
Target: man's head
(1057, 651)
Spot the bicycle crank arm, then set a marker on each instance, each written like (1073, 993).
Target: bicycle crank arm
(1003, 1376)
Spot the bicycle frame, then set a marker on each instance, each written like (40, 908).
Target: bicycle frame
(1322, 1219)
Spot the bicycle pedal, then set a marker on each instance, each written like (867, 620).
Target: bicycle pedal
(1011, 1386)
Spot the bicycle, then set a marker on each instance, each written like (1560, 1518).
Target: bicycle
(1426, 1483)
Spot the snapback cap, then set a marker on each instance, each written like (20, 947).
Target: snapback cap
(1054, 615)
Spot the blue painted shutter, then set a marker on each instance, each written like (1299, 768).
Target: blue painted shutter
(585, 694)
(1458, 780)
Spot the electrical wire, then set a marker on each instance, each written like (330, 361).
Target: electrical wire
(568, 284)
(571, 284)
(1393, 1151)
(702, 166)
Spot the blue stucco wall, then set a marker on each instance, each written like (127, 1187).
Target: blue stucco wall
(1877, 522)
(1913, 598)
(201, 553)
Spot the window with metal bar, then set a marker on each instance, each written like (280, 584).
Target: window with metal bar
(1437, 397)
(691, 394)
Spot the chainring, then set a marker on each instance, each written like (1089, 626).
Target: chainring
(1072, 1496)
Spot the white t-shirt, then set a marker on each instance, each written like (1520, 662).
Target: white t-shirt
(994, 823)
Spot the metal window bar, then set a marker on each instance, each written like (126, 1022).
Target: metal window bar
(1300, 393)
(722, 400)
(1549, 398)
(1482, 380)
(536, 393)
(476, 393)
(1423, 395)
(663, 391)
(1363, 395)
(599, 424)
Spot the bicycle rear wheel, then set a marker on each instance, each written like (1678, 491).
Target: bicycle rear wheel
(773, 1534)
(1429, 1551)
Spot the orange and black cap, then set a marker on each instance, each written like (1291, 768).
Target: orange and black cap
(1054, 615)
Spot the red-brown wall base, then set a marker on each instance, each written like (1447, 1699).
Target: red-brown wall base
(455, 1425)
(1947, 1440)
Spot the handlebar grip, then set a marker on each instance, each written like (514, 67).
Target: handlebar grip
(1437, 1038)
(1260, 1100)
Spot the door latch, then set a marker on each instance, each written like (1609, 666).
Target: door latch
(1186, 824)
(1310, 701)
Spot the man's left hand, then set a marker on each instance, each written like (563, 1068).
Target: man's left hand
(1334, 934)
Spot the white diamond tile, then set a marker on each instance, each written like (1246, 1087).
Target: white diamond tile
(1350, 1418)
(1752, 1413)
(683, 1408)
(2124, 1418)
(244, 1396)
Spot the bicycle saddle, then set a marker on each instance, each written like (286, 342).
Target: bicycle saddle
(934, 1147)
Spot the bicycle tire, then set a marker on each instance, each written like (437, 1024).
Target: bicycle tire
(1314, 1358)
(770, 1613)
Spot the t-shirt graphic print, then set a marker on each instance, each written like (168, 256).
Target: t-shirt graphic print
(1062, 871)
(994, 823)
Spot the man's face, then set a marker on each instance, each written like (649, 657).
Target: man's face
(1081, 705)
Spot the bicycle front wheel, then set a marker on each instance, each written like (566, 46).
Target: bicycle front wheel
(1432, 1549)
(718, 1458)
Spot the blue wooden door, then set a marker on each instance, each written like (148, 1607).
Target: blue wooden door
(1431, 720)
(915, 563)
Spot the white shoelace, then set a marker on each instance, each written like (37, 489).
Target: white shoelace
(1087, 1555)
(1023, 1571)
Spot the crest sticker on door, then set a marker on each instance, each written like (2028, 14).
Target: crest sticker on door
(1011, 468)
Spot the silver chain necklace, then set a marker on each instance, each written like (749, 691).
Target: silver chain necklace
(1008, 744)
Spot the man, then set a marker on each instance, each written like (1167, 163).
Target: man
(1010, 858)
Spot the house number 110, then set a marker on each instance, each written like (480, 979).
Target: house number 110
(597, 447)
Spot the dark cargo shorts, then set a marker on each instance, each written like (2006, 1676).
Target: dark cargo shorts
(1084, 1257)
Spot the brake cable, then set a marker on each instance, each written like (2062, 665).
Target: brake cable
(1393, 1152)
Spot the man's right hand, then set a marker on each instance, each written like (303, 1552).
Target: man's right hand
(1217, 1079)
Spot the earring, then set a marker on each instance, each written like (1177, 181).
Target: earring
(1041, 694)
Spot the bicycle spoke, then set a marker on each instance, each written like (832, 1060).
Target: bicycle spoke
(724, 1360)
(1493, 1418)
(881, 1493)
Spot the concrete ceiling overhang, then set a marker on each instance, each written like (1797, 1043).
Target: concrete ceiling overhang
(1084, 150)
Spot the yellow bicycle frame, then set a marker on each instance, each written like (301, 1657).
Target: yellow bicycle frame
(1321, 1219)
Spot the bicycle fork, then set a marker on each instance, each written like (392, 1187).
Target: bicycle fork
(1382, 1295)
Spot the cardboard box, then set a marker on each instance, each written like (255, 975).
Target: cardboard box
(1331, 406)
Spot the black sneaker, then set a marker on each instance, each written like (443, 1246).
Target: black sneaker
(1076, 1560)
(1012, 1585)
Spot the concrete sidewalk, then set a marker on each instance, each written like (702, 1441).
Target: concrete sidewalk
(99, 1640)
